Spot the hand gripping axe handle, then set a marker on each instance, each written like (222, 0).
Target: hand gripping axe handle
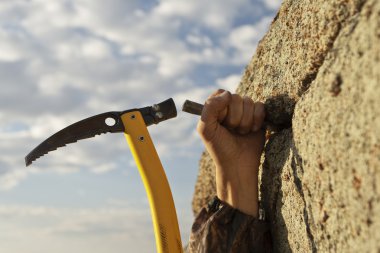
(269, 124)
(134, 125)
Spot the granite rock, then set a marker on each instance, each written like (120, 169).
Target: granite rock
(318, 72)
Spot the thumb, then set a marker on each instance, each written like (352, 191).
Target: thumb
(214, 112)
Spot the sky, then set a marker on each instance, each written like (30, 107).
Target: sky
(65, 60)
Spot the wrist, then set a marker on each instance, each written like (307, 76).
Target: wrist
(240, 192)
(248, 205)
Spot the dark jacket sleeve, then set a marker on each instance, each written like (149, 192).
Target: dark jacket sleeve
(222, 228)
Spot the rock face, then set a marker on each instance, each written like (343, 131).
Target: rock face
(318, 71)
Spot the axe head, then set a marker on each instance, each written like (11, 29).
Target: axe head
(108, 122)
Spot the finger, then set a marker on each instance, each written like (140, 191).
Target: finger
(235, 112)
(248, 115)
(211, 112)
(217, 92)
(223, 114)
(258, 116)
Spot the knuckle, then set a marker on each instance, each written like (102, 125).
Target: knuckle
(231, 122)
(249, 107)
(210, 103)
(235, 111)
(244, 127)
(259, 116)
(236, 98)
(217, 92)
(245, 124)
(248, 101)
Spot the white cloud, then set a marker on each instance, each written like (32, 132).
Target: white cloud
(117, 226)
(82, 48)
(229, 83)
(8, 52)
(11, 179)
(104, 168)
(82, 229)
(45, 124)
(273, 4)
(13, 45)
(96, 49)
(199, 40)
(245, 38)
(211, 14)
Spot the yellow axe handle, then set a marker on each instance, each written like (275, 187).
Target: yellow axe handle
(165, 223)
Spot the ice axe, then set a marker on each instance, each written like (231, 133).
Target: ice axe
(134, 124)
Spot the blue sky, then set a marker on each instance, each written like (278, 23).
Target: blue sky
(64, 60)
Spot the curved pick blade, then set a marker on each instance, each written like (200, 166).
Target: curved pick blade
(95, 125)
(83, 129)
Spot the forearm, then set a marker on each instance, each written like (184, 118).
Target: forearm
(230, 129)
(242, 193)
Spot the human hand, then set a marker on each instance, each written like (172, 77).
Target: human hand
(230, 127)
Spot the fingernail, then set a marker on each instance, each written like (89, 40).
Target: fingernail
(224, 93)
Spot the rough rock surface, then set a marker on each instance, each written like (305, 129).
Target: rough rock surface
(318, 70)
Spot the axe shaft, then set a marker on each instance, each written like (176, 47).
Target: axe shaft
(192, 107)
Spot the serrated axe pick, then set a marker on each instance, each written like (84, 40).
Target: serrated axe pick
(134, 124)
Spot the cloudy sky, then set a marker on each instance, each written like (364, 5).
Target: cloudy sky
(64, 60)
